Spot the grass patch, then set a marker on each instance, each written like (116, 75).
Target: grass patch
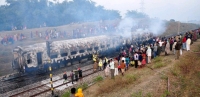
(118, 83)
(165, 94)
(158, 65)
(98, 79)
(198, 74)
(175, 71)
(137, 94)
(186, 77)
(66, 94)
(148, 95)
(197, 49)
(140, 94)
(158, 59)
(83, 86)
(164, 77)
(130, 78)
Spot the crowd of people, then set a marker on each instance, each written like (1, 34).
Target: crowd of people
(75, 75)
(78, 32)
(138, 54)
(10, 39)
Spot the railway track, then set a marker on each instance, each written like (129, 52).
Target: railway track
(18, 82)
(45, 87)
(17, 87)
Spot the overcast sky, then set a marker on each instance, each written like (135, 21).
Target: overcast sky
(182, 10)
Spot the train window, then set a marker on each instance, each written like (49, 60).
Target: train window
(73, 52)
(39, 58)
(29, 61)
(64, 54)
(96, 48)
(81, 51)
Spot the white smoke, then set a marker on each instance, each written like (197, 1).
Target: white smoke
(157, 26)
(143, 27)
(125, 26)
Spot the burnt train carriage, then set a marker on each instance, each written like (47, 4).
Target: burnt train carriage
(34, 57)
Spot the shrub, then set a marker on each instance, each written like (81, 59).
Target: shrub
(83, 86)
(98, 79)
(66, 94)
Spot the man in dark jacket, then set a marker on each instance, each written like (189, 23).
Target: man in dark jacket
(72, 77)
(76, 75)
(177, 48)
(80, 74)
(65, 77)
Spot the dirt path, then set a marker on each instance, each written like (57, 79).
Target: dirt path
(151, 83)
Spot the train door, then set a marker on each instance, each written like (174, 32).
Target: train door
(39, 61)
(39, 58)
(14, 63)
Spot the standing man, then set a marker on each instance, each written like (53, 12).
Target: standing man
(136, 58)
(64, 77)
(95, 66)
(122, 65)
(149, 54)
(178, 47)
(112, 68)
(184, 42)
(188, 42)
(155, 48)
(100, 64)
(73, 92)
(116, 63)
(76, 75)
(72, 77)
(167, 48)
(80, 74)
(105, 61)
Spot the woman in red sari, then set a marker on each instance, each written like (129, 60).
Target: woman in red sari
(143, 58)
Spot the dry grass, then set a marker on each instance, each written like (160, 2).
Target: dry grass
(118, 83)
(159, 62)
(158, 65)
(185, 76)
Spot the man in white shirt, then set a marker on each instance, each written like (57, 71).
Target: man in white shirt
(112, 68)
(160, 43)
(123, 58)
(136, 58)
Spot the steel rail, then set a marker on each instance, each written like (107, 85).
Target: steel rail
(42, 85)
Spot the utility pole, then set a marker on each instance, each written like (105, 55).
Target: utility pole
(48, 47)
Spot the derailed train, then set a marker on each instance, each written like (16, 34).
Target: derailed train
(34, 58)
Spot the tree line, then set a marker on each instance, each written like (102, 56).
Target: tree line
(37, 13)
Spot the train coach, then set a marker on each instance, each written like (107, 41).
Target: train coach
(34, 58)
